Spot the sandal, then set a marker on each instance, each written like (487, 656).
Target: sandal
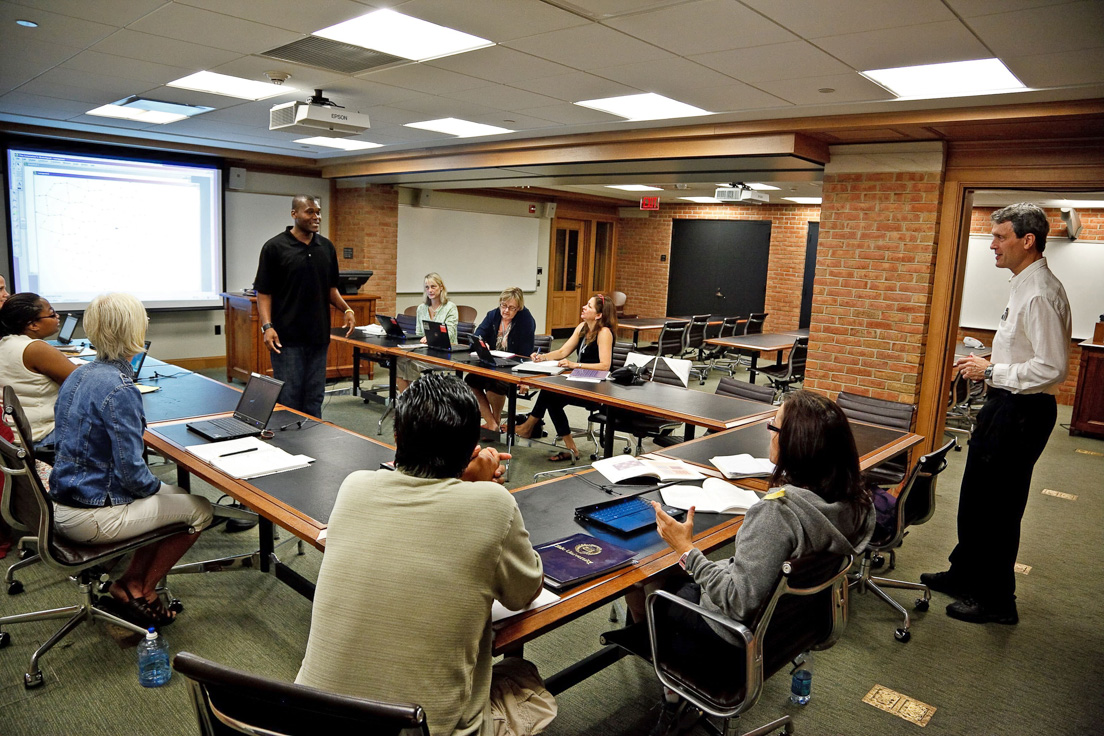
(559, 457)
(137, 611)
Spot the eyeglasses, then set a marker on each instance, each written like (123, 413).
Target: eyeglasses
(771, 426)
(51, 315)
(507, 308)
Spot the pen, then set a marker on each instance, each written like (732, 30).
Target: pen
(239, 452)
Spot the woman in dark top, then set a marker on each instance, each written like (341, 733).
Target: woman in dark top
(511, 328)
(594, 340)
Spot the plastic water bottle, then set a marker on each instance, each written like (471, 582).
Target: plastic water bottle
(801, 684)
(153, 660)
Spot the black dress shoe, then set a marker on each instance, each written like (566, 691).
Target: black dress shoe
(944, 582)
(971, 611)
(233, 526)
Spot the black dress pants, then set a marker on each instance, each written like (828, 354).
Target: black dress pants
(1012, 430)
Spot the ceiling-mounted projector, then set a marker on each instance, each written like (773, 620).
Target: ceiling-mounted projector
(317, 116)
(741, 194)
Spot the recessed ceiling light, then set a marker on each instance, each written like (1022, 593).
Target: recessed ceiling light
(148, 111)
(648, 106)
(224, 84)
(952, 79)
(761, 187)
(26, 23)
(459, 128)
(634, 187)
(804, 200)
(702, 200)
(401, 35)
(342, 143)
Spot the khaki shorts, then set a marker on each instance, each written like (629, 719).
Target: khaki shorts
(169, 505)
(520, 703)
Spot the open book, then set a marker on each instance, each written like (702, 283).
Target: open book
(620, 468)
(714, 496)
(248, 457)
(742, 466)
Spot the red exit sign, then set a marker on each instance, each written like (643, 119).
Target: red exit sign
(649, 203)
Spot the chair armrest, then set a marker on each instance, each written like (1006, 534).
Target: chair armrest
(737, 628)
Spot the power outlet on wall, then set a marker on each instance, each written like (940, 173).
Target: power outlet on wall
(218, 329)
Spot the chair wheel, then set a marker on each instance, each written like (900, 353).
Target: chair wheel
(594, 456)
(25, 553)
(175, 605)
(5, 639)
(627, 451)
(921, 604)
(877, 561)
(15, 587)
(902, 635)
(31, 681)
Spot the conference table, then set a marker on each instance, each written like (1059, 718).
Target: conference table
(764, 342)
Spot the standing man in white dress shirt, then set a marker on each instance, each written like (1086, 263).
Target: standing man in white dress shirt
(1029, 362)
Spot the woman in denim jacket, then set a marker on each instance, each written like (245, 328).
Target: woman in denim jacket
(102, 489)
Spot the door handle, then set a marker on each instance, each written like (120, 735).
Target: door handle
(719, 295)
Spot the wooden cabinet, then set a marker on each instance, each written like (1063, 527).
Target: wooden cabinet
(245, 349)
(1088, 403)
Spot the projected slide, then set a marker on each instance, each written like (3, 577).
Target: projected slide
(83, 226)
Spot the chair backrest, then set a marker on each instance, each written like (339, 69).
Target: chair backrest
(807, 609)
(960, 391)
(731, 326)
(620, 352)
(229, 701)
(411, 311)
(27, 506)
(542, 343)
(884, 412)
(695, 331)
(17, 420)
(744, 390)
(661, 371)
(755, 323)
(464, 313)
(671, 338)
(464, 332)
(799, 354)
(916, 502)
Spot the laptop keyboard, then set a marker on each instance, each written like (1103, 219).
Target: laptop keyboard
(229, 425)
(625, 508)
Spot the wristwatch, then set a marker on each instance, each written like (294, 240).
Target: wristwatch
(266, 327)
(988, 371)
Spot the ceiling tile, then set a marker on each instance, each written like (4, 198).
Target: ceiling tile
(286, 14)
(146, 47)
(89, 88)
(929, 43)
(22, 103)
(703, 27)
(432, 107)
(588, 47)
(848, 88)
(94, 62)
(52, 28)
(185, 23)
(516, 121)
(502, 97)
(578, 86)
(207, 99)
(246, 113)
(25, 59)
(362, 93)
(731, 97)
(669, 77)
(494, 20)
(778, 61)
(1067, 27)
(572, 115)
(974, 8)
(1060, 68)
(614, 8)
(424, 78)
(113, 12)
(835, 17)
(499, 64)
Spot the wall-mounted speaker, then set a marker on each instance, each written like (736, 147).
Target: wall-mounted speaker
(236, 180)
(548, 209)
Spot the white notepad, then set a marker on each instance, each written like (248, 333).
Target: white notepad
(248, 457)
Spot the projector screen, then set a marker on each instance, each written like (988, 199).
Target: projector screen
(83, 225)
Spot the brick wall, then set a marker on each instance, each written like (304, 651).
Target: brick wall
(641, 242)
(366, 219)
(874, 278)
(1092, 228)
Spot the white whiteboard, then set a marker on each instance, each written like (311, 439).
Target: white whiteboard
(251, 219)
(1079, 265)
(473, 251)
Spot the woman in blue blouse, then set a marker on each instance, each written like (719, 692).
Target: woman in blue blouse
(511, 327)
(103, 490)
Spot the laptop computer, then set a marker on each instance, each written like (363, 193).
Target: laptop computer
(437, 336)
(65, 335)
(391, 326)
(251, 415)
(625, 514)
(137, 361)
(486, 358)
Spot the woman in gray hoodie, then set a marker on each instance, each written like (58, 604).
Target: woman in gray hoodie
(822, 506)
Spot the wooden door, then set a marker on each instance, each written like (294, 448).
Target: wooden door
(581, 264)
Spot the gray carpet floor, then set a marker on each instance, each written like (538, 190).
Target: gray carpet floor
(1038, 677)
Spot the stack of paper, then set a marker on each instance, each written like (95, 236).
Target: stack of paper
(248, 457)
(742, 466)
(714, 496)
(625, 467)
(499, 611)
(545, 366)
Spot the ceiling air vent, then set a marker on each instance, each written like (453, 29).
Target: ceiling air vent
(332, 55)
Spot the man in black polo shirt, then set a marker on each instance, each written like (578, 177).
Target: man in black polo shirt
(296, 284)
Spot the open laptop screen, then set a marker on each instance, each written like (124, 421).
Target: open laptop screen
(258, 400)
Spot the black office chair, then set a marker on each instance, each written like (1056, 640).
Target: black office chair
(542, 343)
(744, 390)
(723, 358)
(671, 339)
(783, 376)
(464, 332)
(962, 406)
(755, 323)
(229, 701)
(20, 428)
(886, 413)
(806, 610)
(32, 508)
(915, 505)
(621, 351)
(642, 426)
(693, 346)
